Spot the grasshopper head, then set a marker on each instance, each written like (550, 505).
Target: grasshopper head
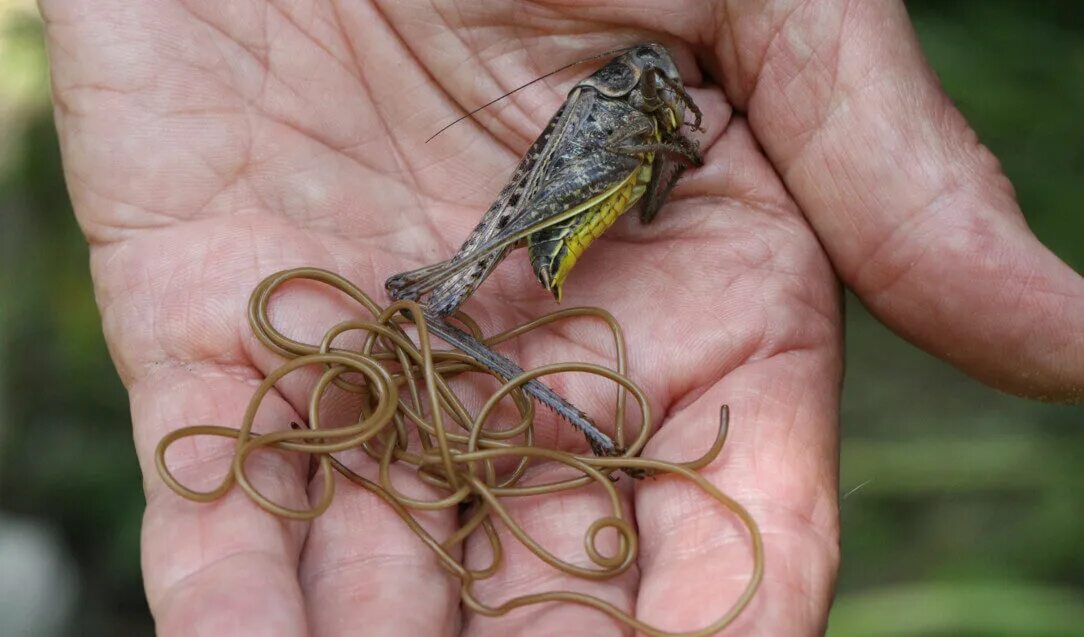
(657, 56)
(661, 91)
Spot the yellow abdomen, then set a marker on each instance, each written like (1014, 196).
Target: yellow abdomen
(600, 217)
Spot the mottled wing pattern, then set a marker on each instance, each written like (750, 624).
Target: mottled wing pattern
(575, 188)
(408, 284)
(452, 281)
(555, 250)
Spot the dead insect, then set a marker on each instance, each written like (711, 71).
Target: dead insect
(615, 141)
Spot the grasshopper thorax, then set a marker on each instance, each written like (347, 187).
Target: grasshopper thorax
(647, 77)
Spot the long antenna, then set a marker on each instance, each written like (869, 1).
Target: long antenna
(518, 88)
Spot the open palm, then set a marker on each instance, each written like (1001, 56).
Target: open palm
(209, 144)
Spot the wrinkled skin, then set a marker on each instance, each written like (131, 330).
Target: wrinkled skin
(206, 148)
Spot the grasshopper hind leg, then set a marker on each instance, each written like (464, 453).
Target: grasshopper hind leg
(600, 443)
(410, 285)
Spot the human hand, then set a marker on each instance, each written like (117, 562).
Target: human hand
(207, 145)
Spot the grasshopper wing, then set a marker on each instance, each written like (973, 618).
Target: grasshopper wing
(567, 194)
(452, 281)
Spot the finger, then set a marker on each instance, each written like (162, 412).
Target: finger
(915, 213)
(767, 303)
(362, 566)
(210, 568)
(558, 522)
(779, 463)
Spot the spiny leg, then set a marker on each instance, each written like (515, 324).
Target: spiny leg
(664, 176)
(623, 141)
(653, 102)
(678, 146)
(601, 444)
(404, 284)
(687, 99)
(445, 298)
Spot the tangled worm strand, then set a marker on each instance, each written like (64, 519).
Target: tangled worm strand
(405, 391)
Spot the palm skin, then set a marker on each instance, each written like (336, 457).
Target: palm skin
(209, 144)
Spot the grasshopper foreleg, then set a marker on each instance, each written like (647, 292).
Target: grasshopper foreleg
(625, 141)
(687, 100)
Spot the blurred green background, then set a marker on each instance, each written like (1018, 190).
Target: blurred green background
(967, 511)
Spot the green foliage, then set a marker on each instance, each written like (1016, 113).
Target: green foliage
(992, 608)
(970, 521)
(1016, 70)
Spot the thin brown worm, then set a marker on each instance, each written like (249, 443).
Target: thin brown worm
(410, 416)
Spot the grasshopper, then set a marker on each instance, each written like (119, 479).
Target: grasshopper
(615, 141)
